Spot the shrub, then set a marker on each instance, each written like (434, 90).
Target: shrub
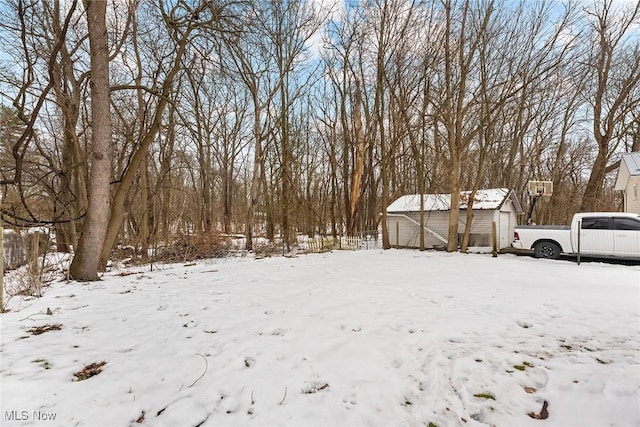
(191, 248)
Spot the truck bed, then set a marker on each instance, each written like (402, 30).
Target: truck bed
(528, 236)
(545, 227)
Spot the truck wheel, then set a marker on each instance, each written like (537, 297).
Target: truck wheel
(546, 250)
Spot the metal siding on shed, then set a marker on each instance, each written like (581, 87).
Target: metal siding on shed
(404, 228)
(633, 200)
(405, 233)
(438, 222)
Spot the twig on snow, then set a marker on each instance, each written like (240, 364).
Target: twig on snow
(206, 366)
(283, 397)
(34, 314)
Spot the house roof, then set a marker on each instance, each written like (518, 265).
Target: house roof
(489, 199)
(629, 166)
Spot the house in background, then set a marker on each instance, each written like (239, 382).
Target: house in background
(499, 204)
(628, 181)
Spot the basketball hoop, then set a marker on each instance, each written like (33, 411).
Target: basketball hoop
(540, 188)
(537, 190)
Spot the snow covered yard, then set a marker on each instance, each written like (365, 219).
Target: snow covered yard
(366, 338)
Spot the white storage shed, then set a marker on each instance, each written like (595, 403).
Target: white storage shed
(498, 204)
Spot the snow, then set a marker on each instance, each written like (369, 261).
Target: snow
(357, 338)
(489, 199)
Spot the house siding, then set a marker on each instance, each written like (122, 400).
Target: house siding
(631, 197)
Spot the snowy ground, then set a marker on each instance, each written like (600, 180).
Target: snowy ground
(366, 338)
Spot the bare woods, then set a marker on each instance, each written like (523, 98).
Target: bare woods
(139, 121)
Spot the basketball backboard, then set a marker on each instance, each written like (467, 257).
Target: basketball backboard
(540, 188)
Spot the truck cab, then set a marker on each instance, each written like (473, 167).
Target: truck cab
(609, 234)
(596, 234)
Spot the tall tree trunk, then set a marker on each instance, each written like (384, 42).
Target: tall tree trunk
(334, 205)
(384, 164)
(87, 259)
(286, 161)
(452, 237)
(144, 211)
(226, 195)
(593, 190)
(358, 169)
(256, 172)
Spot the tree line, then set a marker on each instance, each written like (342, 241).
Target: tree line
(137, 120)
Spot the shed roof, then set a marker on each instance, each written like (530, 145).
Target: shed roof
(490, 199)
(629, 166)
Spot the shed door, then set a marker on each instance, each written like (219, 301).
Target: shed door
(506, 234)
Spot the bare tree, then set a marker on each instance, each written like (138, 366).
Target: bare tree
(86, 261)
(263, 54)
(247, 53)
(220, 120)
(465, 27)
(36, 37)
(181, 22)
(294, 22)
(614, 63)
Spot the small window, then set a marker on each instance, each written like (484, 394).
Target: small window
(595, 223)
(635, 191)
(626, 224)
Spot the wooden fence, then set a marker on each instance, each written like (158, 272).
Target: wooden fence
(326, 244)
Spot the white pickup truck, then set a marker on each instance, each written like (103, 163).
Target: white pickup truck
(602, 234)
